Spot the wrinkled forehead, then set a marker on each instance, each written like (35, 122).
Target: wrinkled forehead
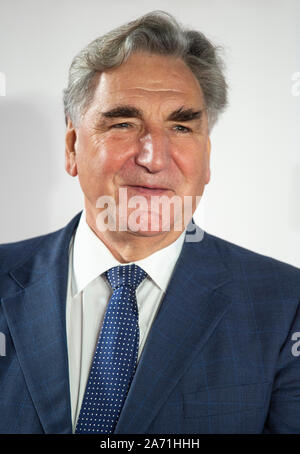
(150, 76)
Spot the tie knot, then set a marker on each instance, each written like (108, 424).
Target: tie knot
(126, 275)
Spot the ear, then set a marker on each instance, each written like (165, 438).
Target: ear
(70, 154)
(208, 148)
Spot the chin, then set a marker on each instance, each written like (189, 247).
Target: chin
(146, 233)
(148, 224)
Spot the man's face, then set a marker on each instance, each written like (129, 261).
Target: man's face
(145, 131)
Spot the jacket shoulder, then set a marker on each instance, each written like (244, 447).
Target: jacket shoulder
(15, 253)
(246, 262)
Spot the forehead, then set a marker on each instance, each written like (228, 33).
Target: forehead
(149, 77)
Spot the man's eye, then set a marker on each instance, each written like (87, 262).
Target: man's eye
(181, 128)
(121, 125)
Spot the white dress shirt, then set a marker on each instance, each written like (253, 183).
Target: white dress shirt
(88, 294)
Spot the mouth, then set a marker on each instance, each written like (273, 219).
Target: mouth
(148, 189)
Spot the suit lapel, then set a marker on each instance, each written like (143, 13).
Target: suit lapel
(36, 319)
(35, 313)
(189, 313)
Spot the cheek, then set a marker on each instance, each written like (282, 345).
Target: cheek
(115, 152)
(192, 161)
(100, 156)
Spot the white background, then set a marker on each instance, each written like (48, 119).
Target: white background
(253, 197)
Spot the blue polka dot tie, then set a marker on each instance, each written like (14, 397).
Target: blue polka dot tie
(116, 354)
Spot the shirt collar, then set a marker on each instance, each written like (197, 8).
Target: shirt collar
(91, 258)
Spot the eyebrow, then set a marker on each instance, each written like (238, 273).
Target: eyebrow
(180, 114)
(185, 115)
(124, 112)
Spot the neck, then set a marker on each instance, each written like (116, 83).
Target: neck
(130, 246)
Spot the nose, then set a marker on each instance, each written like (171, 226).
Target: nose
(153, 151)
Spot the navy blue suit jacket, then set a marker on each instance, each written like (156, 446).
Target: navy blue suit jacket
(218, 358)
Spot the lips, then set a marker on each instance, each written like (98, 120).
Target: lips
(148, 190)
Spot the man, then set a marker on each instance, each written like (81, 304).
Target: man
(123, 322)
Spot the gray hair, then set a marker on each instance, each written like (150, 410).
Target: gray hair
(156, 32)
